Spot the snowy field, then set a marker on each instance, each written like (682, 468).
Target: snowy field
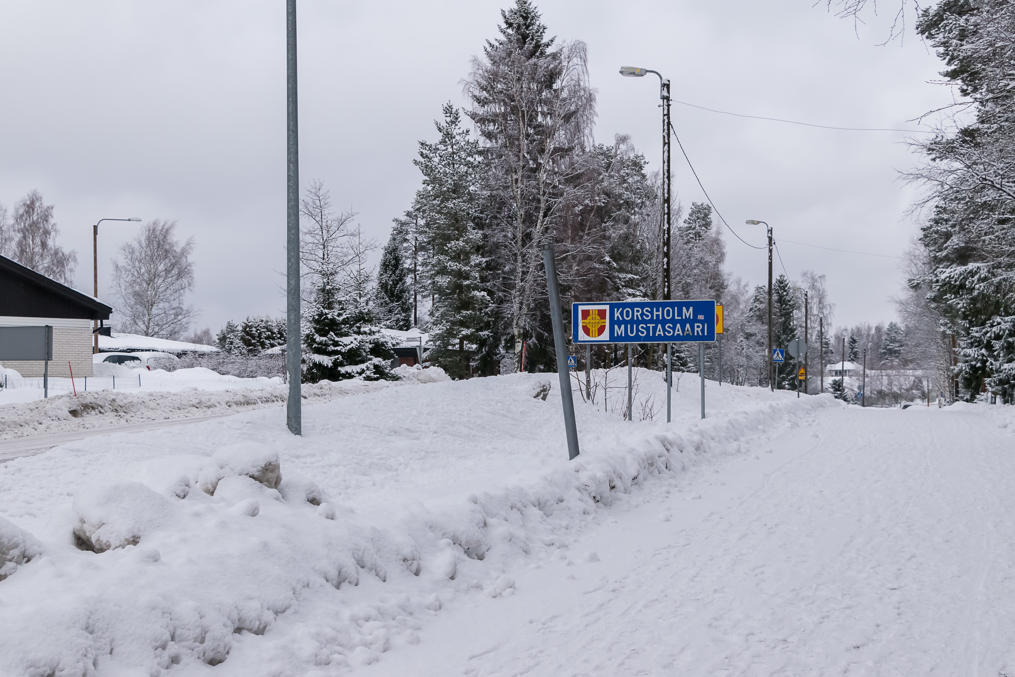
(438, 529)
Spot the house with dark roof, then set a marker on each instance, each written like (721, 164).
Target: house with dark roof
(29, 299)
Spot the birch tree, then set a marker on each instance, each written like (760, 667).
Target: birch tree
(30, 239)
(153, 275)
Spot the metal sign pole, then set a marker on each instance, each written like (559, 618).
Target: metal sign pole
(669, 379)
(630, 395)
(566, 400)
(293, 352)
(701, 374)
(588, 372)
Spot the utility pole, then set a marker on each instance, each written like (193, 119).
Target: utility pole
(294, 411)
(821, 349)
(807, 342)
(771, 364)
(863, 381)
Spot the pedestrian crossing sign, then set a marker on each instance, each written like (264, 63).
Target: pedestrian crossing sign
(778, 355)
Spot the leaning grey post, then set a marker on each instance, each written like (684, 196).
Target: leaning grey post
(701, 373)
(294, 418)
(630, 387)
(669, 379)
(566, 401)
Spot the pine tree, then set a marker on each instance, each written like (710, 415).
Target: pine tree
(228, 339)
(448, 203)
(890, 352)
(852, 349)
(533, 109)
(341, 342)
(394, 300)
(257, 334)
(784, 330)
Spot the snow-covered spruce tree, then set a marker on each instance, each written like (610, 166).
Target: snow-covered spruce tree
(784, 328)
(342, 342)
(970, 237)
(460, 315)
(852, 348)
(258, 334)
(890, 353)
(228, 339)
(393, 292)
(534, 109)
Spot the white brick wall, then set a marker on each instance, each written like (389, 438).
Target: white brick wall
(72, 341)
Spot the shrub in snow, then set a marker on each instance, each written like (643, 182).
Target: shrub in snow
(118, 515)
(255, 461)
(243, 366)
(17, 547)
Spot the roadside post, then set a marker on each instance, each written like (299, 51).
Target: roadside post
(630, 386)
(669, 379)
(701, 375)
(798, 349)
(718, 336)
(669, 322)
(566, 400)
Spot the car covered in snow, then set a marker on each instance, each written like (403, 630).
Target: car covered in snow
(111, 362)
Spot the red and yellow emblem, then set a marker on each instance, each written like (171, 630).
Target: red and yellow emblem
(593, 321)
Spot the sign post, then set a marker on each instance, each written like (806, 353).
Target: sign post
(645, 322)
(556, 319)
(28, 343)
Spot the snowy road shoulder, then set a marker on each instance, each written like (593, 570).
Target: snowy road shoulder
(395, 504)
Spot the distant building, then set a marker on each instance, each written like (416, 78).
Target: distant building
(29, 299)
(847, 369)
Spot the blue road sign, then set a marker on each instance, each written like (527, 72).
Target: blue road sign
(643, 322)
(778, 355)
(572, 362)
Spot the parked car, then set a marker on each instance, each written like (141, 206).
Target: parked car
(108, 362)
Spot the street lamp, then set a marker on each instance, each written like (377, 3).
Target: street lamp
(95, 274)
(664, 94)
(768, 228)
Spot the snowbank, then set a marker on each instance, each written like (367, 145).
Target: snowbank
(393, 503)
(181, 394)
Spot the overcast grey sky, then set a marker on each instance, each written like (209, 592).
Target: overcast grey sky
(176, 110)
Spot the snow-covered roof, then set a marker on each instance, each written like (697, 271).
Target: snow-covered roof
(408, 339)
(848, 366)
(135, 342)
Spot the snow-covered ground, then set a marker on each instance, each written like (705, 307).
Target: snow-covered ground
(439, 529)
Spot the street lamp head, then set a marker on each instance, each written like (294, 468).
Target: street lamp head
(753, 222)
(134, 218)
(633, 71)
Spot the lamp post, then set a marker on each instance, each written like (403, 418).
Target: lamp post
(95, 274)
(768, 228)
(664, 94)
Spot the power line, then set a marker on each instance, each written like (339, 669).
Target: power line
(801, 123)
(707, 196)
(779, 254)
(843, 251)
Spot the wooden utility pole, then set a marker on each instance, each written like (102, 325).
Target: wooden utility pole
(807, 341)
(821, 349)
